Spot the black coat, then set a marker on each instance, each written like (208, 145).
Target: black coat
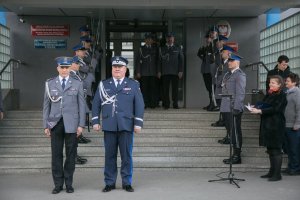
(272, 125)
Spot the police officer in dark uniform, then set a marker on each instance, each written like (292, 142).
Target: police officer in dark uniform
(76, 74)
(63, 121)
(122, 105)
(80, 52)
(147, 71)
(171, 70)
(233, 85)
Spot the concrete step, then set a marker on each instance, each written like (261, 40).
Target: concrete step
(91, 135)
(161, 141)
(83, 150)
(145, 130)
(147, 123)
(149, 114)
(173, 162)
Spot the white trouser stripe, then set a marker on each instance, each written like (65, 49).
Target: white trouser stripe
(140, 119)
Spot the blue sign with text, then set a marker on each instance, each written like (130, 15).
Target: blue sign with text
(50, 44)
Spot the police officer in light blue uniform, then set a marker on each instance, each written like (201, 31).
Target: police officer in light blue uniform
(234, 84)
(63, 121)
(122, 105)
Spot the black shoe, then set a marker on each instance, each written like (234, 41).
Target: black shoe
(80, 161)
(57, 189)
(108, 188)
(213, 108)
(235, 160)
(81, 158)
(275, 178)
(268, 175)
(218, 124)
(206, 107)
(69, 189)
(86, 139)
(166, 108)
(83, 140)
(128, 188)
(225, 140)
(175, 107)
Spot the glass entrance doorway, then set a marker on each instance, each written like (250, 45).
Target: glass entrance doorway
(125, 38)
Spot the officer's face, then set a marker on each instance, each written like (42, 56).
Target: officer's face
(148, 41)
(84, 33)
(233, 64)
(225, 54)
(63, 71)
(75, 66)
(80, 53)
(87, 45)
(118, 71)
(170, 40)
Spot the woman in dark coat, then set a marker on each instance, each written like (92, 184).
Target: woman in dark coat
(272, 126)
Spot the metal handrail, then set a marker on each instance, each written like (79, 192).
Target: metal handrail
(258, 63)
(7, 64)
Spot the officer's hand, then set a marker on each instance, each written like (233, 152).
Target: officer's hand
(235, 112)
(79, 131)
(137, 130)
(47, 132)
(138, 75)
(180, 75)
(96, 127)
(158, 75)
(1, 115)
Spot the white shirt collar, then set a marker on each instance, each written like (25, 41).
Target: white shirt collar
(116, 81)
(61, 78)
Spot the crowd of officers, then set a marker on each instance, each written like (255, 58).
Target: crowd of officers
(156, 66)
(159, 67)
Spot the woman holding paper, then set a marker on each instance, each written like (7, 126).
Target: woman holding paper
(272, 125)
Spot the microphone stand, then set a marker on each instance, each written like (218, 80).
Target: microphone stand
(230, 177)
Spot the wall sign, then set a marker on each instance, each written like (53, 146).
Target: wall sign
(224, 28)
(50, 30)
(50, 44)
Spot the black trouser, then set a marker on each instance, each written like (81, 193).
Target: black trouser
(236, 135)
(63, 173)
(208, 82)
(166, 80)
(149, 90)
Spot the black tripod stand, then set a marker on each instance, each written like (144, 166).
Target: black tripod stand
(230, 177)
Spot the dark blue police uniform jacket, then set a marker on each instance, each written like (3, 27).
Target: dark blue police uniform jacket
(122, 108)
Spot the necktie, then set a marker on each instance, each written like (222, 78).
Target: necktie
(118, 85)
(63, 85)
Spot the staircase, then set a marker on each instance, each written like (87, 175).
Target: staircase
(171, 140)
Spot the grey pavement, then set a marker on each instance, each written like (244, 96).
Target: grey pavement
(152, 185)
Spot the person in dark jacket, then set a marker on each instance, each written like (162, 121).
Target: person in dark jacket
(272, 125)
(282, 69)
